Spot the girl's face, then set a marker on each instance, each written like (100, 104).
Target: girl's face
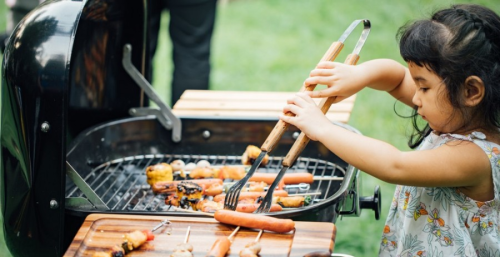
(432, 101)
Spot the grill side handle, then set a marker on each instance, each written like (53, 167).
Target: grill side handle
(164, 115)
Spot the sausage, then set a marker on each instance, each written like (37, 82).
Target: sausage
(171, 186)
(251, 207)
(255, 221)
(219, 248)
(252, 195)
(289, 178)
(297, 178)
(213, 190)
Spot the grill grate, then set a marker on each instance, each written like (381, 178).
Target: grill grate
(122, 186)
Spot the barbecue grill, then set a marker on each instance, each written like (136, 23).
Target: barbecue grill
(72, 72)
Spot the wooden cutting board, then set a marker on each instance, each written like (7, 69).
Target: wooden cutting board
(101, 231)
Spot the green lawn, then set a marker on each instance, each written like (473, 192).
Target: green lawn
(271, 45)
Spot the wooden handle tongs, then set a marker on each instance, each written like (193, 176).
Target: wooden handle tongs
(324, 105)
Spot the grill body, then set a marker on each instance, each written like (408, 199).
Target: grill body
(123, 148)
(64, 118)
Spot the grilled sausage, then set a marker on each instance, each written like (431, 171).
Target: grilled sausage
(251, 207)
(171, 186)
(219, 248)
(255, 221)
(288, 179)
(251, 195)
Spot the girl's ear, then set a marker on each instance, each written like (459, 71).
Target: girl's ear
(474, 90)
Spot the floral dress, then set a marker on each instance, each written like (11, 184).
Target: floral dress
(442, 221)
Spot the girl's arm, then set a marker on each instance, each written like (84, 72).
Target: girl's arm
(462, 164)
(345, 80)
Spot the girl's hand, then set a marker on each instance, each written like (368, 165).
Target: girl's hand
(342, 80)
(308, 117)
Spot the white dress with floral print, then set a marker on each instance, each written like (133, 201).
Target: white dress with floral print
(441, 221)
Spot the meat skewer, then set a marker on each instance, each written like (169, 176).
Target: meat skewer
(252, 249)
(183, 249)
(132, 241)
(221, 246)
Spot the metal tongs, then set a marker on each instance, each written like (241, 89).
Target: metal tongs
(231, 199)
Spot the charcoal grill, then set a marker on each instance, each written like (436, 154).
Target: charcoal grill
(70, 147)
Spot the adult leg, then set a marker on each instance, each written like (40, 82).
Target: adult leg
(155, 8)
(191, 27)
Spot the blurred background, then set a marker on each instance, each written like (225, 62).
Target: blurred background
(271, 45)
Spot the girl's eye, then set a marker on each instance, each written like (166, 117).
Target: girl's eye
(423, 89)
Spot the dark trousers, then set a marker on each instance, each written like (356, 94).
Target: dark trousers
(190, 28)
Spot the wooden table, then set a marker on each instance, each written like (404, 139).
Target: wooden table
(101, 231)
(242, 104)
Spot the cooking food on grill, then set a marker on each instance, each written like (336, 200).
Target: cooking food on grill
(251, 195)
(167, 187)
(231, 172)
(202, 172)
(190, 166)
(188, 194)
(251, 186)
(206, 205)
(221, 246)
(288, 178)
(251, 154)
(203, 164)
(292, 201)
(209, 206)
(225, 172)
(256, 221)
(214, 189)
(178, 165)
(159, 172)
(251, 207)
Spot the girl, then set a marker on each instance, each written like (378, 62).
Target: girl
(448, 200)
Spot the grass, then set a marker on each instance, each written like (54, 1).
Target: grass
(271, 45)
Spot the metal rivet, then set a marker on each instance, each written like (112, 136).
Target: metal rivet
(54, 204)
(295, 135)
(206, 134)
(45, 126)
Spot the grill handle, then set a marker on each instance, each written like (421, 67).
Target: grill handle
(165, 115)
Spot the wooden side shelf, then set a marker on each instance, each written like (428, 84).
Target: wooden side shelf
(253, 104)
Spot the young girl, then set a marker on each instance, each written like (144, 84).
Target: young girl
(447, 201)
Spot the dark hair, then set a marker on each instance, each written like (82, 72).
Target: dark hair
(456, 43)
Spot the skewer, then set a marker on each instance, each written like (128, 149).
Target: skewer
(162, 223)
(234, 233)
(187, 234)
(258, 236)
(252, 249)
(183, 249)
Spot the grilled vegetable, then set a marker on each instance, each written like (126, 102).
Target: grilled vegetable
(159, 172)
(292, 201)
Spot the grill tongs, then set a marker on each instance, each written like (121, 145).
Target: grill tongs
(232, 196)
